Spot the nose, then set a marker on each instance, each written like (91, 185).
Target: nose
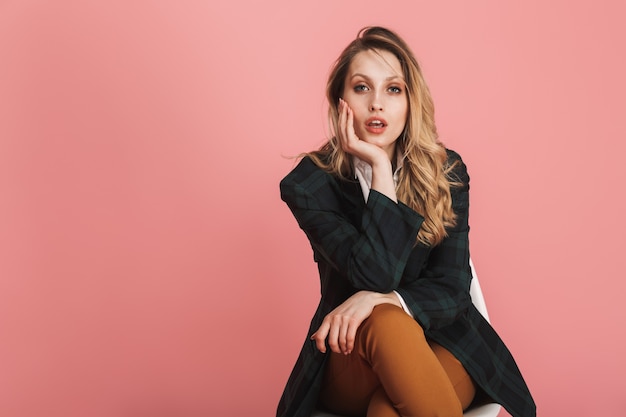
(376, 104)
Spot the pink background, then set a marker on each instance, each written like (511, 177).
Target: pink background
(147, 264)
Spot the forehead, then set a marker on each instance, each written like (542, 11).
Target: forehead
(375, 62)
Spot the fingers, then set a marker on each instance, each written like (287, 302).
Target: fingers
(347, 136)
(333, 334)
(350, 124)
(320, 336)
(343, 121)
(335, 331)
(331, 329)
(340, 325)
(341, 340)
(347, 335)
(340, 331)
(351, 336)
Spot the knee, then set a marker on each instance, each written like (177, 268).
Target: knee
(388, 321)
(385, 314)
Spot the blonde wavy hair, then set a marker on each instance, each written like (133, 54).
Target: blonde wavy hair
(424, 181)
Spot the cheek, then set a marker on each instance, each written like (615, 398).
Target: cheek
(404, 113)
(358, 115)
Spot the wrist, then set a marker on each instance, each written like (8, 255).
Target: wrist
(388, 298)
(381, 163)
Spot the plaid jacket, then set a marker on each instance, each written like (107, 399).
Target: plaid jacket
(371, 246)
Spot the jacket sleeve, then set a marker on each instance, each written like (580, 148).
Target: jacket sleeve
(371, 255)
(441, 293)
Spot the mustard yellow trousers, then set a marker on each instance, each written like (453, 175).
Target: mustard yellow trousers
(394, 371)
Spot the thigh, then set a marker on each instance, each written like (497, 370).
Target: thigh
(348, 384)
(415, 370)
(460, 379)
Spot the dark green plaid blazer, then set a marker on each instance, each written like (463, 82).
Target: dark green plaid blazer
(371, 246)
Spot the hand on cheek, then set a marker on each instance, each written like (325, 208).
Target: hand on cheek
(349, 140)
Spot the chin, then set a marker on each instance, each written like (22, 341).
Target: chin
(381, 143)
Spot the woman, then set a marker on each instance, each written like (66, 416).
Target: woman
(385, 207)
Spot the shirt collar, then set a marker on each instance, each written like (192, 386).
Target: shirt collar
(363, 172)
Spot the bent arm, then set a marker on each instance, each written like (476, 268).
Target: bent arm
(441, 293)
(372, 254)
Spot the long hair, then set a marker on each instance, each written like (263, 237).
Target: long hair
(424, 184)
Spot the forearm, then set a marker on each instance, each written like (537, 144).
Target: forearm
(382, 179)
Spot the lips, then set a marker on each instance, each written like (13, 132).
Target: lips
(375, 124)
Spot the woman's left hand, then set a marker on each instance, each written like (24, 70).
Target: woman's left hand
(341, 324)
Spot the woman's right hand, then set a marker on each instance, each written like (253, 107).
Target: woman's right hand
(375, 156)
(351, 143)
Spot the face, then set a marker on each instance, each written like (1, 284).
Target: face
(374, 88)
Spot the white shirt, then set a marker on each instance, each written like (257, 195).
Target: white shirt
(363, 172)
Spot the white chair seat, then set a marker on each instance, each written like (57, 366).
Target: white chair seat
(486, 410)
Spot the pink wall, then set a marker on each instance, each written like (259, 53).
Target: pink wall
(147, 264)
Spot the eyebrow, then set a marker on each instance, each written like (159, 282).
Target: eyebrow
(393, 77)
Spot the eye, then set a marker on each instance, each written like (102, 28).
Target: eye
(396, 90)
(360, 87)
